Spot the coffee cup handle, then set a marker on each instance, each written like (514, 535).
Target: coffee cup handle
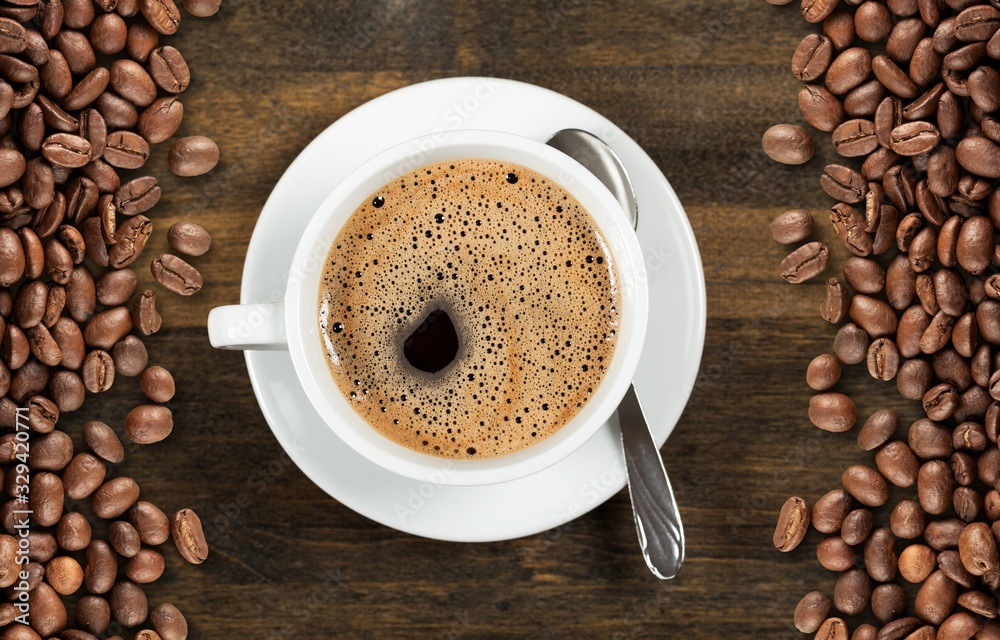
(248, 327)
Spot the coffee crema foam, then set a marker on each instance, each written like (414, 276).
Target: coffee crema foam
(524, 275)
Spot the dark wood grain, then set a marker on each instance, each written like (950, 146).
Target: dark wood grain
(695, 83)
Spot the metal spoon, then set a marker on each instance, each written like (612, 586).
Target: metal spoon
(657, 520)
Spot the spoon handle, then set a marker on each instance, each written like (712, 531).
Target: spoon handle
(657, 520)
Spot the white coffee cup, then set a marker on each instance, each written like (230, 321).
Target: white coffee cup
(293, 324)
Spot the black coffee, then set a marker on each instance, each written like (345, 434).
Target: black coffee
(469, 309)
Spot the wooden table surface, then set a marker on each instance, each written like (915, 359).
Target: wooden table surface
(695, 83)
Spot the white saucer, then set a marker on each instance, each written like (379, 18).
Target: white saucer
(594, 472)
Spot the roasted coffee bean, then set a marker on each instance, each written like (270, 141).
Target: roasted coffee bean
(950, 563)
(979, 603)
(936, 598)
(857, 525)
(170, 71)
(880, 555)
(189, 537)
(907, 520)
(848, 70)
(832, 411)
(975, 245)
(200, 9)
(875, 316)
(130, 356)
(130, 240)
(934, 482)
(124, 538)
(940, 401)
(108, 33)
(883, 359)
(128, 603)
(835, 555)
(101, 569)
(46, 498)
(171, 624)
(872, 22)
(84, 474)
(916, 563)
(81, 296)
(140, 42)
(150, 423)
(73, 532)
(107, 327)
(923, 250)
(42, 413)
(51, 452)
(923, 285)
(988, 321)
(832, 628)
(118, 112)
(866, 485)
(151, 523)
(157, 384)
(115, 497)
(851, 344)
(144, 315)
(805, 263)
(93, 614)
(131, 81)
(126, 150)
(930, 439)
(970, 436)
(888, 603)
(12, 258)
(137, 196)
(87, 91)
(977, 23)
(145, 567)
(164, 16)
(852, 592)
(864, 275)
(820, 108)
(64, 575)
(180, 277)
(980, 156)
(878, 429)
(98, 371)
(897, 462)
(197, 155)
(192, 239)
(855, 138)
(810, 612)
(900, 283)
(823, 372)
(938, 333)
(836, 303)
(103, 441)
(161, 119)
(116, 287)
(48, 613)
(978, 549)
(926, 63)
(844, 184)
(77, 50)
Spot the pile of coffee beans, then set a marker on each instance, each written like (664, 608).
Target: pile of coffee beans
(910, 90)
(87, 91)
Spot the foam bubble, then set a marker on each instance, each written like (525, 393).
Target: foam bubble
(523, 273)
